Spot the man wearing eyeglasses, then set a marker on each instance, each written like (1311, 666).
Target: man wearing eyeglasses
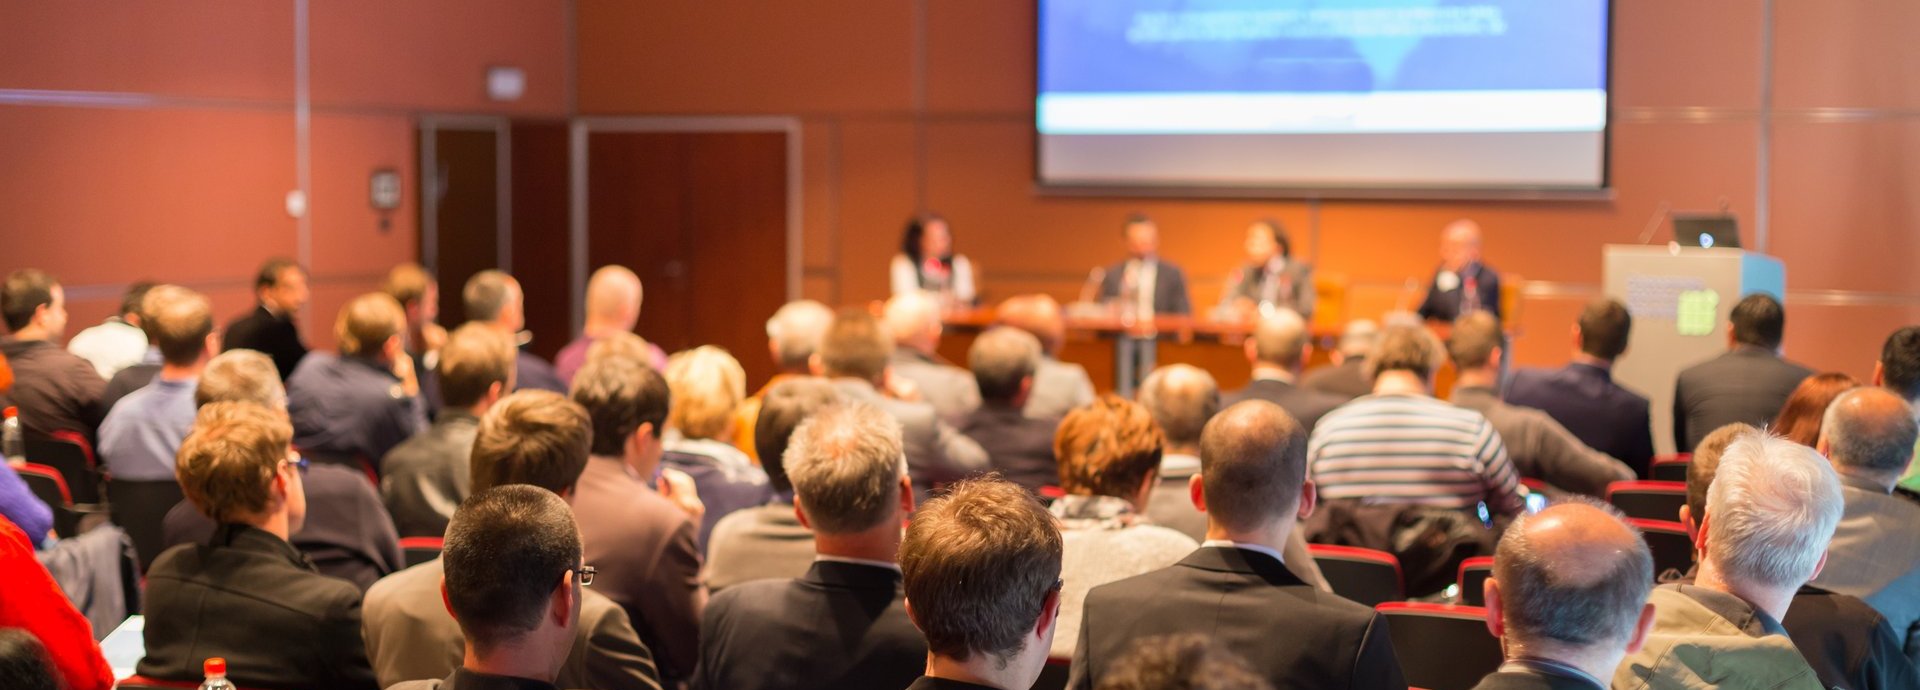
(246, 594)
(518, 621)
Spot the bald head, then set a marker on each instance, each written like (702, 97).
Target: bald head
(1870, 433)
(1280, 339)
(1253, 463)
(913, 319)
(794, 332)
(1181, 398)
(1571, 577)
(613, 298)
(1460, 244)
(1036, 314)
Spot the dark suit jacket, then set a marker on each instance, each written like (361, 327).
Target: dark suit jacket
(1021, 449)
(1306, 405)
(1746, 384)
(1849, 644)
(347, 534)
(644, 547)
(260, 330)
(1169, 287)
(842, 625)
(1249, 282)
(1444, 305)
(1295, 635)
(1523, 680)
(1602, 414)
(530, 372)
(463, 679)
(1347, 380)
(252, 598)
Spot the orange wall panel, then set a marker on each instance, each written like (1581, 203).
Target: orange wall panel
(237, 50)
(980, 57)
(1846, 54)
(1831, 235)
(1689, 53)
(433, 54)
(347, 235)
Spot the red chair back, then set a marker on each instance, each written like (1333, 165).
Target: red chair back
(1365, 576)
(1672, 548)
(1648, 500)
(50, 487)
(1670, 468)
(421, 549)
(1442, 647)
(1474, 573)
(74, 459)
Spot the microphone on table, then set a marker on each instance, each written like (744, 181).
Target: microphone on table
(1092, 287)
(1653, 223)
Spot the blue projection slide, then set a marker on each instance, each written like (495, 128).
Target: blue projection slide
(1294, 66)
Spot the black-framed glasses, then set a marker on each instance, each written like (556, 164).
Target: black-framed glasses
(585, 575)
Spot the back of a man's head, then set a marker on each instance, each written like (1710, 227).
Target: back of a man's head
(178, 321)
(1181, 398)
(782, 410)
(846, 463)
(620, 395)
(367, 323)
(855, 346)
(241, 376)
(1001, 359)
(473, 360)
(1870, 432)
(25, 663)
(273, 271)
(133, 302)
(1770, 513)
(1187, 661)
(25, 291)
(912, 315)
(1758, 320)
(1475, 336)
(794, 333)
(1357, 338)
(226, 465)
(508, 549)
(1411, 349)
(1107, 448)
(1706, 462)
(1037, 314)
(1571, 578)
(1253, 463)
(1605, 327)
(1280, 339)
(408, 284)
(1900, 363)
(622, 344)
(979, 564)
(488, 294)
(532, 437)
(613, 296)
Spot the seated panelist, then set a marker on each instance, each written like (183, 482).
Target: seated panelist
(926, 262)
(1462, 283)
(1271, 278)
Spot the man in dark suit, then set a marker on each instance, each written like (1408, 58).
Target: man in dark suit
(1568, 598)
(1539, 446)
(1278, 347)
(854, 355)
(1868, 435)
(495, 299)
(1004, 360)
(246, 594)
(281, 287)
(425, 478)
(913, 319)
(1346, 378)
(1462, 283)
(981, 566)
(1253, 487)
(852, 490)
(768, 542)
(1153, 286)
(1748, 384)
(351, 408)
(1582, 395)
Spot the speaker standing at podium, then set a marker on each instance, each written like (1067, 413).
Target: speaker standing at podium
(1147, 284)
(1462, 284)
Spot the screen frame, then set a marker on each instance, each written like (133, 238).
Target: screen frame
(1604, 192)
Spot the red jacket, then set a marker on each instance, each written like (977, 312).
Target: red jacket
(31, 601)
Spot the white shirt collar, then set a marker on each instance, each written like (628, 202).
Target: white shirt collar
(1280, 375)
(1179, 465)
(1257, 548)
(895, 567)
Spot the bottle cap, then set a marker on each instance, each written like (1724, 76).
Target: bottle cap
(216, 666)
(10, 412)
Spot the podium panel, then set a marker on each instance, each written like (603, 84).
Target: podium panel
(1680, 298)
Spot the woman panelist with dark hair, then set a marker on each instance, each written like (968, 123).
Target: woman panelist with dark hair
(1271, 278)
(926, 262)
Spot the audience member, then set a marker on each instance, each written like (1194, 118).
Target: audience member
(494, 299)
(1278, 349)
(981, 567)
(768, 542)
(281, 288)
(141, 435)
(32, 601)
(1898, 370)
(613, 306)
(1400, 445)
(1583, 397)
(913, 319)
(241, 376)
(1347, 376)
(793, 336)
(707, 386)
(1568, 598)
(1003, 361)
(247, 592)
(1153, 284)
(851, 488)
(637, 522)
(1181, 662)
(351, 408)
(1539, 447)
(854, 355)
(418, 293)
(119, 341)
(1462, 284)
(1749, 384)
(24, 662)
(1801, 418)
(1109, 460)
(534, 438)
(519, 623)
(1771, 510)
(1253, 487)
(425, 478)
(54, 389)
(1058, 386)
(1869, 435)
(1271, 279)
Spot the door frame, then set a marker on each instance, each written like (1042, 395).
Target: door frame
(581, 127)
(501, 127)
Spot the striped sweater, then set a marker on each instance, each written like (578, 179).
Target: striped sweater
(1412, 449)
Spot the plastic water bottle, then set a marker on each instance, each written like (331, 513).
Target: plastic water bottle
(12, 444)
(216, 669)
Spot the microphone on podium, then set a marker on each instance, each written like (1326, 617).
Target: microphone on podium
(1091, 289)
